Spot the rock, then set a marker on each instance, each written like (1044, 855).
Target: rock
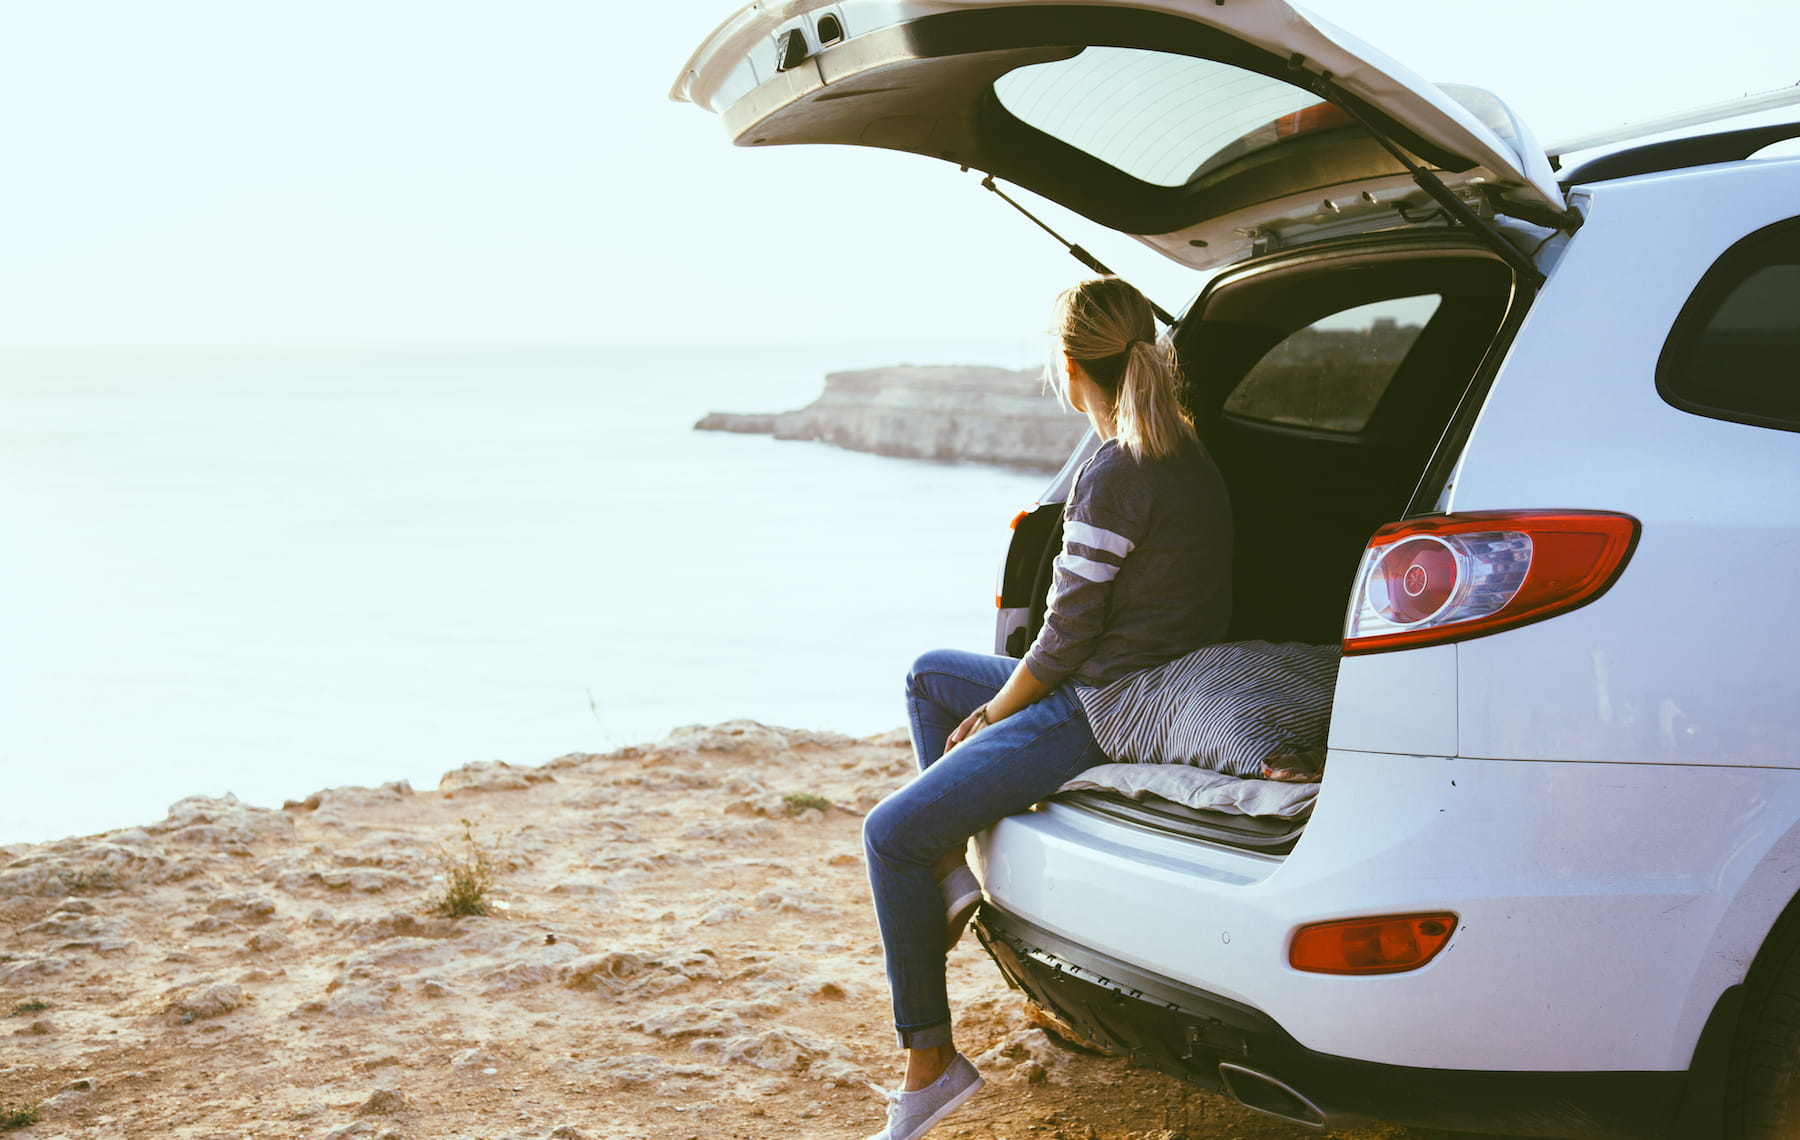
(779, 1049)
(604, 971)
(493, 776)
(267, 942)
(474, 1059)
(717, 1019)
(532, 963)
(731, 736)
(751, 423)
(82, 932)
(567, 1132)
(984, 415)
(573, 760)
(354, 999)
(644, 1069)
(731, 831)
(26, 970)
(786, 978)
(252, 908)
(211, 999)
(359, 880)
(352, 797)
(383, 1102)
(625, 972)
(220, 822)
(1031, 1055)
(78, 866)
(795, 901)
(400, 924)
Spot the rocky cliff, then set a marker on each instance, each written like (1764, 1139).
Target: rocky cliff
(983, 415)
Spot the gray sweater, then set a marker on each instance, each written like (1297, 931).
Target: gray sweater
(1145, 570)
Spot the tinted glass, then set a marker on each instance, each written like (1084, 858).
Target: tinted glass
(1163, 119)
(1735, 350)
(1331, 374)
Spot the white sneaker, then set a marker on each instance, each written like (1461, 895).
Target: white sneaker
(913, 1114)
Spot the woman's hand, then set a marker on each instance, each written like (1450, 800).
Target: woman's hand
(1021, 689)
(973, 723)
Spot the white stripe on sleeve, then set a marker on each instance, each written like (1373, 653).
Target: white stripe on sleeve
(1085, 567)
(1097, 538)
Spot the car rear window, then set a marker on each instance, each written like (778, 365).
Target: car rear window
(1331, 375)
(1135, 110)
(1734, 352)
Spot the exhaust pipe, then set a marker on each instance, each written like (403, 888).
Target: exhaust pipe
(1264, 1093)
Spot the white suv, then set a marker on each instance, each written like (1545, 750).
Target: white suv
(1548, 884)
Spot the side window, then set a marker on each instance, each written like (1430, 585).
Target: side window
(1330, 375)
(1734, 353)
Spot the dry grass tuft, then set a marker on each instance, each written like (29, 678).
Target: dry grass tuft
(469, 875)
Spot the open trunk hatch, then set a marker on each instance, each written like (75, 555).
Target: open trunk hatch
(1195, 126)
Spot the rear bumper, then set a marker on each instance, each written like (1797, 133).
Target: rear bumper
(1604, 909)
(1232, 1048)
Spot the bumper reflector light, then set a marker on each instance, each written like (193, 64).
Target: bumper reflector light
(1386, 945)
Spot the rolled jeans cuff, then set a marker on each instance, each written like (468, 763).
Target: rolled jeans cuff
(929, 1037)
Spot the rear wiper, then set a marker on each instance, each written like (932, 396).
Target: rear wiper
(1076, 251)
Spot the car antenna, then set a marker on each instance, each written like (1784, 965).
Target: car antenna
(1076, 251)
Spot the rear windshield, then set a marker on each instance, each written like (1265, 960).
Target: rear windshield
(1135, 110)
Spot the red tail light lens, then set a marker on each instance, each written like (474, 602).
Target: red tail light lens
(1453, 577)
(1388, 945)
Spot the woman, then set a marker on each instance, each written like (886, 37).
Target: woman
(1143, 578)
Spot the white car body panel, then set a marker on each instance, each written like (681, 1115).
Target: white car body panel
(1675, 663)
(1397, 702)
(1550, 867)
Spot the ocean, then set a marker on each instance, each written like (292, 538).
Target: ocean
(269, 572)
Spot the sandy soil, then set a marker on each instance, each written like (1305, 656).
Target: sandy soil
(682, 949)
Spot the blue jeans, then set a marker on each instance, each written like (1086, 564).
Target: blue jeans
(999, 771)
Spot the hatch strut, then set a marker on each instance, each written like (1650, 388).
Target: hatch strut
(1076, 251)
(1455, 207)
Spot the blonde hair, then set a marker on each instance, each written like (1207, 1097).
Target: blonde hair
(1110, 330)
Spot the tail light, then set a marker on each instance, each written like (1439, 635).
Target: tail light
(1386, 945)
(1452, 577)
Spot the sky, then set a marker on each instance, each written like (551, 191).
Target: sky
(407, 172)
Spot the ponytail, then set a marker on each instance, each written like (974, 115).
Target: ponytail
(1110, 330)
(1149, 418)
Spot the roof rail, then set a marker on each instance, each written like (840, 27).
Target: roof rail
(1697, 116)
(1679, 154)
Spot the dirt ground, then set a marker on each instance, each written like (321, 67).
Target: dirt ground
(681, 947)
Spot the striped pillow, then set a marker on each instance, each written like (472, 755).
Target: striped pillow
(1233, 707)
